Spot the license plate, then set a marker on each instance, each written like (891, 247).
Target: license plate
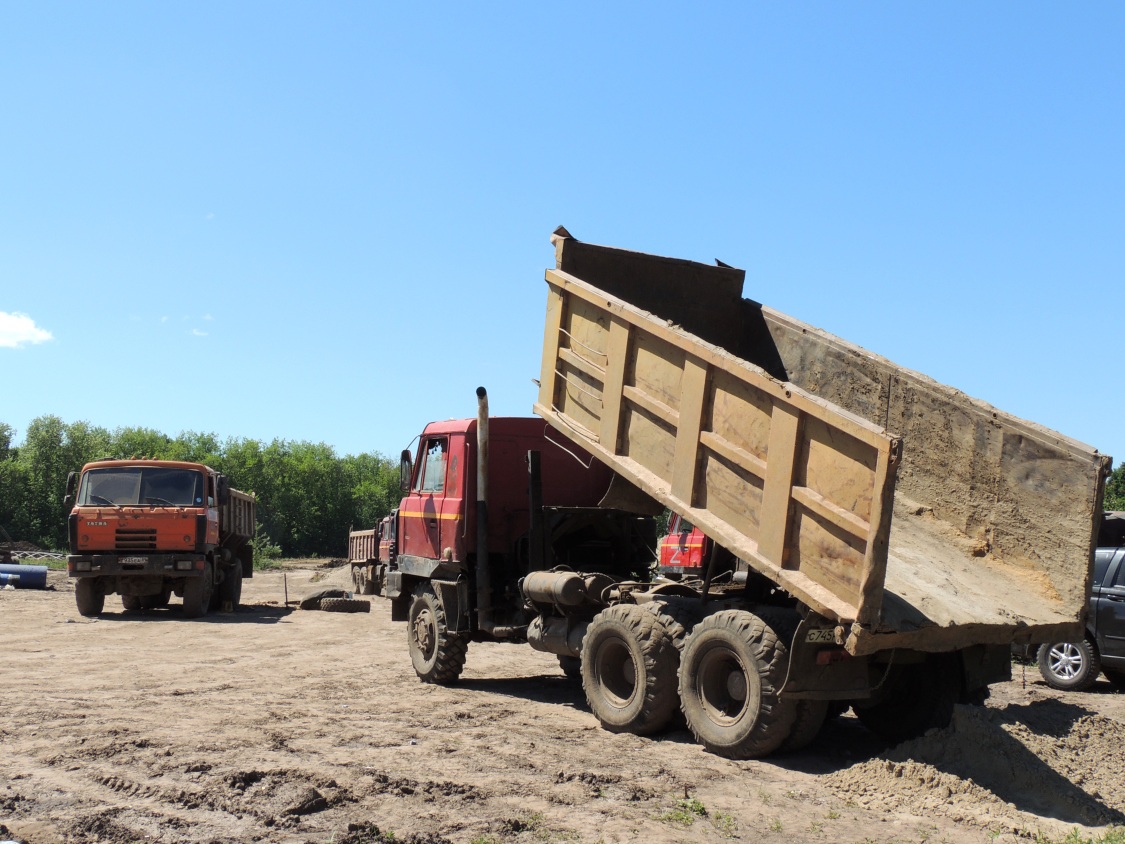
(133, 561)
(822, 635)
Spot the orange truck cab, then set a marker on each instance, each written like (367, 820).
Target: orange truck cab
(146, 529)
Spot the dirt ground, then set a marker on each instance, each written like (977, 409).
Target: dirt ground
(276, 724)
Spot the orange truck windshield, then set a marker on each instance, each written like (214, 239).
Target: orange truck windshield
(141, 486)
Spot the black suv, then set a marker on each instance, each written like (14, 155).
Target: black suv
(1075, 665)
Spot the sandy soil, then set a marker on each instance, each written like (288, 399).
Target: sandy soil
(276, 724)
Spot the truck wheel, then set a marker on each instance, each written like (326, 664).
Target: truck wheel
(629, 670)
(1070, 666)
(437, 654)
(89, 596)
(376, 585)
(155, 602)
(362, 585)
(731, 671)
(344, 605)
(914, 698)
(810, 718)
(230, 590)
(678, 619)
(131, 602)
(571, 666)
(197, 594)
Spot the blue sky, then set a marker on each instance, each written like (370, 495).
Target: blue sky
(330, 222)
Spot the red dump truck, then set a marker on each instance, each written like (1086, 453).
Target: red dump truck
(894, 536)
(146, 529)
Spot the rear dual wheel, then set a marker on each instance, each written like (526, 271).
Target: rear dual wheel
(731, 673)
(629, 670)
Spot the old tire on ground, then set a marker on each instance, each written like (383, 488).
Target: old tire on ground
(731, 671)
(1069, 666)
(230, 590)
(437, 654)
(571, 666)
(132, 602)
(197, 593)
(89, 596)
(629, 670)
(345, 605)
(913, 698)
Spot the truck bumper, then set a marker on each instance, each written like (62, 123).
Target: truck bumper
(135, 565)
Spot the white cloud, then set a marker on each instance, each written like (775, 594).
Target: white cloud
(20, 330)
(198, 333)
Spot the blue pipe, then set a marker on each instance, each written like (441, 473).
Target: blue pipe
(29, 577)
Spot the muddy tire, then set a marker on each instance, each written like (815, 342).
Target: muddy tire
(731, 671)
(809, 721)
(914, 698)
(1069, 666)
(131, 603)
(571, 666)
(629, 670)
(230, 590)
(88, 596)
(345, 605)
(437, 654)
(156, 602)
(198, 592)
(678, 618)
(361, 584)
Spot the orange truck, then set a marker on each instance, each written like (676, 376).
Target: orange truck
(146, 529)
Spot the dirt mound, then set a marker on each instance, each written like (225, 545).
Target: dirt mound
(1004, 769)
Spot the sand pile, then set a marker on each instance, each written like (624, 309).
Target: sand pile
(998, 768)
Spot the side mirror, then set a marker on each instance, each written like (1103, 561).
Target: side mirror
(71, 483)
(405, 470)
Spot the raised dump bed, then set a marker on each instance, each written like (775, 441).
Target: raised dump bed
(910, 513)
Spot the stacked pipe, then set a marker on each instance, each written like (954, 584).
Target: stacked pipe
(23, 577)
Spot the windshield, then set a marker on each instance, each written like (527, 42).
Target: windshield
(142, 485)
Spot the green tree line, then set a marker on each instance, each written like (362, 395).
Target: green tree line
(308, 496)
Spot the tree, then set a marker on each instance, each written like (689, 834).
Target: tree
(1115, 489)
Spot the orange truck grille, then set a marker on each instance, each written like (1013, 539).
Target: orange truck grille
(135, 539)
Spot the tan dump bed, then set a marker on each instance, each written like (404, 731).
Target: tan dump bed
(912, 514)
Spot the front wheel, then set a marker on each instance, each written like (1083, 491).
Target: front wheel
(89, 596)
(197, 593)
(437, 654)
(1069, 666)
(628, 669)
(731, 673)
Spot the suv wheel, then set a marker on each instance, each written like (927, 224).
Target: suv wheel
(1069, 666)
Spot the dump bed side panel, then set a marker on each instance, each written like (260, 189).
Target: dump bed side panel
(238, 517)
(1020, 499)
(799, 489)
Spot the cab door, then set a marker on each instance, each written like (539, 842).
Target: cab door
(420, 513)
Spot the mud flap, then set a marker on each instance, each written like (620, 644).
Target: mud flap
(454, 596)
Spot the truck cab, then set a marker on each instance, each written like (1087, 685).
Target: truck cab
(146, 529)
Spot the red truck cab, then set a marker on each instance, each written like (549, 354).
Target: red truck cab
(684, 551)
